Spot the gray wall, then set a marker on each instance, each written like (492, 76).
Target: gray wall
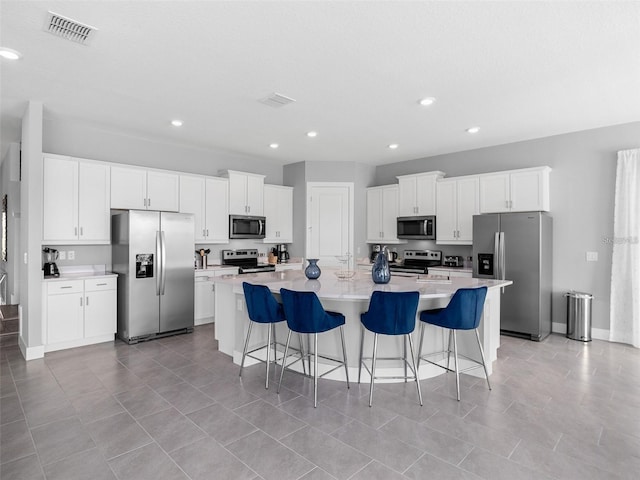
(298, 174)
(582, 191)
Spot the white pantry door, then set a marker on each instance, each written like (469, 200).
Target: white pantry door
(329, 222)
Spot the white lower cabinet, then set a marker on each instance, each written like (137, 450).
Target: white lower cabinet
(450, 273)
(79, 312)
(204, 300)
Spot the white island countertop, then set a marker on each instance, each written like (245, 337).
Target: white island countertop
(360, 287)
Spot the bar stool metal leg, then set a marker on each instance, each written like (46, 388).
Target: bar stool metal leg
(404, 357)
(421, 340)
(484, 365)
(315, 370)
(455, 358)
(415, 369)
(373, 366)
(449, 351)
(361, 345)
(266, 383)
(344, 356)
(246, 346)
(286, 351)
(304, 367)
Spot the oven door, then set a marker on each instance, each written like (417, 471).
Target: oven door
(243, 226)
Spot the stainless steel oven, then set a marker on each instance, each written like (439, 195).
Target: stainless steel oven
(417, 228)
(245, 226)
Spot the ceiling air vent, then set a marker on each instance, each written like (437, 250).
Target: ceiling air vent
(276, 100)
(64, 27)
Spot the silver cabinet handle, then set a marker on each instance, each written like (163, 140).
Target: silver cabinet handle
(75, 231)
(68, 286)
(81, 301)
(148, 202)
(87, 302)
(207, 232)
(100, 284)
(81, 231)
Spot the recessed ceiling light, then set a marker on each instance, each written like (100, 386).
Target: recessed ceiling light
(274, 145)
(473, 129)
(425, 102)
(393, 146)
(9, 54)
(176, 123)
(312, 134)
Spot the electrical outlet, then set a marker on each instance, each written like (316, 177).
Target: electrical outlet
(592, 256)
(71, 255)
(62, 255)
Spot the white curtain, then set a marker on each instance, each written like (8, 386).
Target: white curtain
(625, 270)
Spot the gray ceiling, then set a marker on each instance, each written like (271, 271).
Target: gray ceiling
(357, 70)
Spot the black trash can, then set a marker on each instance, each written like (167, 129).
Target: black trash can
(579, 315)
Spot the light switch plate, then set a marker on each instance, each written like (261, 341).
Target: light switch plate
(592, 256)
(62, 255)
(72, 255)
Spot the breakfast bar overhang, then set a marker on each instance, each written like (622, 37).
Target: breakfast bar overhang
(351, 298)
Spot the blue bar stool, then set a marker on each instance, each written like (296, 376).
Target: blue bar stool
(304, 314)
(462, 313)
(262, 307)
(390, 313)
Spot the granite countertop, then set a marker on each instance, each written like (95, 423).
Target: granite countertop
(359, 287)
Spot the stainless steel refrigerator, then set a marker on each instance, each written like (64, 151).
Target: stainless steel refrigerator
(152, 252)
(517, 247)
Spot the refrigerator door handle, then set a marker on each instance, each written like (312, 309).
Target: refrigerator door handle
(503, 267)
(164, 261)
(158, 265)
(496, 255)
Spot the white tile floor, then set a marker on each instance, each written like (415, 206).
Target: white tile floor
(175, 408)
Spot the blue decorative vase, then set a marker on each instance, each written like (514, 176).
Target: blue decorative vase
(380, 271)
(313, 270)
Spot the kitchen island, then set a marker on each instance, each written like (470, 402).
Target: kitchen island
(351, 298)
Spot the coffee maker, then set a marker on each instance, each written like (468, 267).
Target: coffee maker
(282, 253)
(375, 250)
(49, 256)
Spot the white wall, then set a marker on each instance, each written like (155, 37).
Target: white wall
(582, 191)
(30, 339)
(10, 186)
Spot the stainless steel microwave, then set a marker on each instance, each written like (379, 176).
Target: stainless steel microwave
(417, 228)
(244, 226)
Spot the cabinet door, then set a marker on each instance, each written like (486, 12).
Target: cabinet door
(272, 213)
(468, 205)
(193, 200)
(203, 301)
(64, 317)
(389, 214)
(446, 211)
(237, 194)
(100, 313)
(374, 215)
(217, 210)
(255, 195)
(60, 199)
(286, 215)
(94, 216)
(494, 193)
(163, 191)
(426, 195)
(527, 191)
(128, 188)
(407, 197)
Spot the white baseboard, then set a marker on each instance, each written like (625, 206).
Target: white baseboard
(596, 333)
(30, 353)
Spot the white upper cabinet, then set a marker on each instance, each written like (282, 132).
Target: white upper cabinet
(458, 200)
(382, 214)
(206, 198)
(135, 188)
(417, 194)
(522, 190)
(278, 210)
(245, 193)
(76, 199)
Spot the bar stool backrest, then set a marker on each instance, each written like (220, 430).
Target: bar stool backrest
(262, 306)
(304, 312)
(464, 309)
(391, 313)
